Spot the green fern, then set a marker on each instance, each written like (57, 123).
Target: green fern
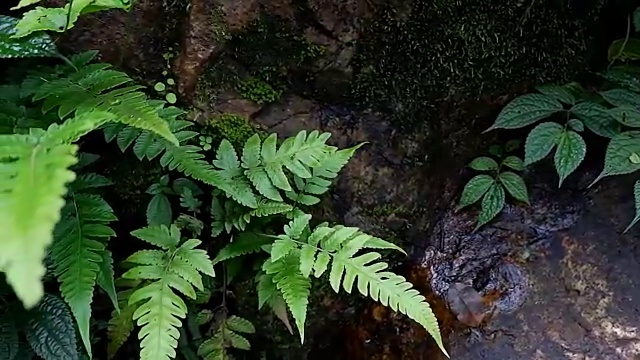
(299, 252)
(79, 248)
(245, 243)
(121, 323)
(62, 18)
(32, 186)
(99, 87)
(174, 267)
(228, 335)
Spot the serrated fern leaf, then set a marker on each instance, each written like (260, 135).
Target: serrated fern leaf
(50, 330)
(227, 336)
(293, 286)
(98, 87)
(121, 324)
(32, 185)
(243, 244)
(77, 252)
(159, 309)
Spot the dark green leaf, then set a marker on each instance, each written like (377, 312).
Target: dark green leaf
(496, 150)
(105, 278)
(515, 186)
(626, 75)
(514, 163)
(34, 45)
(526, 110)
(627, 115)
(483, 163)
(596, 118)
(159, 211)
(576, 125)
(636, 19)
(492, 204)
(557, 92)
(9, 342)
(512, 145)
(621, 97)
(624, 49)
(617, 161)
(570, 153)
(474, 190)
(51, 331)
(636, 197)
(541, 141)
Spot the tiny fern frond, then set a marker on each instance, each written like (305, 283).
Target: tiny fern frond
(228, 335)
(245, 243)
(120, 325)
(159, 308)
(77, 251)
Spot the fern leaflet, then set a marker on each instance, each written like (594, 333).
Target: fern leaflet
(228, 335)
(178, 267)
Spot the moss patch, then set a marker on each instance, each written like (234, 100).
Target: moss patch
(449, 49)
(235, 128)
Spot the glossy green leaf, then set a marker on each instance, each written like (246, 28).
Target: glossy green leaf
(526, 110)
(105, 278)
(617, 159)
(515, 185)
(541, 141)
(51, 330)
(570, 153)
(557, 92)
(596, 118)
(34, 45)
(626, 75)
(474, 190)
(576, 125)
(492, 204)
(483, 163)
(514, 163)
(159, 211)
(636, 197)
(627, 115)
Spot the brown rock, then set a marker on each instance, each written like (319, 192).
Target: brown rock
(231, 102)
(238, 13)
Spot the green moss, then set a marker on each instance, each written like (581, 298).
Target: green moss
(387, 210)
(258, 91)
(410, 60)
(235, 128)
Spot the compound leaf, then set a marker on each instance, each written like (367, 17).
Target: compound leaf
(474, 190)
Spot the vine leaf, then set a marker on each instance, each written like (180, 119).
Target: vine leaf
(526, 110)
(474, 190)
(514, 163)
(617, 160)
(596, 118)
(34, 45)
(636, 197)
(541, 141)
(515, 185)
(492, 204)
(576, 125)
(570, 153)
(483, 163)
(51, 331)
(557, 92)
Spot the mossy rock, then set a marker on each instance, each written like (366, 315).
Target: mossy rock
(409, 60)
(235, 128)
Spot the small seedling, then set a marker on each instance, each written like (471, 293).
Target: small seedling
(205, 142)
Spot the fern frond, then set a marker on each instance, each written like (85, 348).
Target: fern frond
(32, 185)
(77, 252)
(227, 336)
(98, 87)
(339, 247)
(175, 268)
(121, 324)
(293, 286)
(296, 154)
(245, 243)
(321, 176)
